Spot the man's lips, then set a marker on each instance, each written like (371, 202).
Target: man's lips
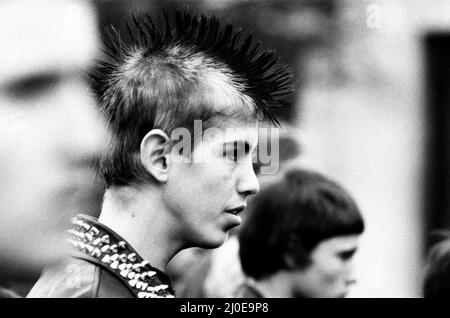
(236, 211)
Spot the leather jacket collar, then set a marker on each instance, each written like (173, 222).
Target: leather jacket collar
(98, 244)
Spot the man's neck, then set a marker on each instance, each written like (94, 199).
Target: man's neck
(139, 216)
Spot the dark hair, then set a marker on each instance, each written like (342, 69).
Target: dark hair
(290, 217)
(437, 274)
(160, 81)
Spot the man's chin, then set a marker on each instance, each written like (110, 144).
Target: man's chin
(213, 241)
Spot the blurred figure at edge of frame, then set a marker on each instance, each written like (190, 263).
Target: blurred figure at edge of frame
(50, 132)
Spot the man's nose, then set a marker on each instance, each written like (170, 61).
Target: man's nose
(248, 183)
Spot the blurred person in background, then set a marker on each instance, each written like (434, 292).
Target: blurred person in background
(299, 239)
(437, 273)
(162, 198)
(50, 132)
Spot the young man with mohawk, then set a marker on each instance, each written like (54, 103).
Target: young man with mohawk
(161, 198)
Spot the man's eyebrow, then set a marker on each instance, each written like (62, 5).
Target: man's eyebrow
(236, 141)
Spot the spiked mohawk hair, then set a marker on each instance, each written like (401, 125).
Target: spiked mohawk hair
(154, 81)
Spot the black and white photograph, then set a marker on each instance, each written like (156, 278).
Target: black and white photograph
(236, 150)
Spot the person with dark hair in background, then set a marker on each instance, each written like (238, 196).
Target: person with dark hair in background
(299, 239)
(162, 198)
(51, 134)
(437, 273)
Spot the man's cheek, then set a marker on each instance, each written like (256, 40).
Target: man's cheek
(216, 178)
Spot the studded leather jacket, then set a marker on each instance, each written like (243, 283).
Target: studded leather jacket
(101, 265)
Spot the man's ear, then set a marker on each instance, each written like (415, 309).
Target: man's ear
(155, 154)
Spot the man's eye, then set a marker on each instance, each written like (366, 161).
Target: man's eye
(32, 86)
(236, 151)
(235, 155)
(231, 154)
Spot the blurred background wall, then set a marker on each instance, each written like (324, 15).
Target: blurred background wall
(371, 110)
(375, 115)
